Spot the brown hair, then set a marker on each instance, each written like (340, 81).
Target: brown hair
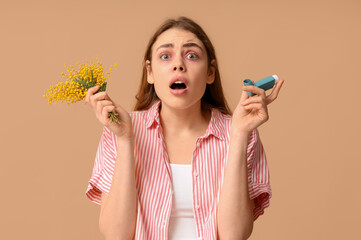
(213, 96)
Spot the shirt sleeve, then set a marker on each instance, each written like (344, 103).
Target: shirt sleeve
(258, 175)
(103, 169)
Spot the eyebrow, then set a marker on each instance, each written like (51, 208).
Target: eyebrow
(189, 44)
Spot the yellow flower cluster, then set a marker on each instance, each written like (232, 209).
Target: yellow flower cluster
(72, 91)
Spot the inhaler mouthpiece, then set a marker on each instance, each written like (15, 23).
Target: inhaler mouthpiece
(265, 83)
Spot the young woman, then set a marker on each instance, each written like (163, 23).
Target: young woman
(181, 166)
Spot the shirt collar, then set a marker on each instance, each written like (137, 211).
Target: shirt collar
(216, 125)
(153, 114)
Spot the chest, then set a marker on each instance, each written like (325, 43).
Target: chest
(180, 150)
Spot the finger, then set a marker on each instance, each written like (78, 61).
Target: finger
(275, 91)
(244, 96)
(90, 92)
(255, 99)
(257, 106)
(101, 96)
(255, 90)
(270, 98)
(101, 104)
(98, 97)
(105, 113)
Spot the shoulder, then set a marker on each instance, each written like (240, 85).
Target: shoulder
(142, 120)
(221, 118)
(224, 122)
(137, 114)
(220, 124)
(140, 117)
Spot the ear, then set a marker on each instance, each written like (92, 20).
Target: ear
(212, 72)
(150, 79)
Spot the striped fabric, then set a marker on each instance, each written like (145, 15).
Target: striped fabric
(153, 175)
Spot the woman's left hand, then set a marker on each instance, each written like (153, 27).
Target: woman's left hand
(251, 112)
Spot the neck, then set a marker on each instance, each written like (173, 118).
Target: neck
(191, 120)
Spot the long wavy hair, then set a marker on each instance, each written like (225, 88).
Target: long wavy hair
(213, 96)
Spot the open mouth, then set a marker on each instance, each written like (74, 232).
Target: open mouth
(178, 85)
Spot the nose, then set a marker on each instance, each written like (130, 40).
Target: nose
(178, 65)
(180, 68)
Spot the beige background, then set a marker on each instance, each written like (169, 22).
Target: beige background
(311, 140)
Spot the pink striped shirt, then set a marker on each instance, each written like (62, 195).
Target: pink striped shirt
(153, 175)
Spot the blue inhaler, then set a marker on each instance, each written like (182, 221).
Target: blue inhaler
(265, 83)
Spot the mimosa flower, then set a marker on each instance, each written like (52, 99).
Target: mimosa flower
(77, 83)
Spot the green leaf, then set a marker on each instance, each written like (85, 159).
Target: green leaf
(81, 82)
(113, 117)
(91, 84)
(102, 87)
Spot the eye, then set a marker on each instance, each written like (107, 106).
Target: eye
(164, 56)
(192, 56)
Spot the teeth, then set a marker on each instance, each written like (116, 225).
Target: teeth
(178, 85)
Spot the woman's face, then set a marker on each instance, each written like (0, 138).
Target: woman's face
(179, 56)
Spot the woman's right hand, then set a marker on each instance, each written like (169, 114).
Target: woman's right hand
(102, 105)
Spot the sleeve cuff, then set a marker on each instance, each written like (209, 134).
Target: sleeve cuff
(261, 194)
(95, 188)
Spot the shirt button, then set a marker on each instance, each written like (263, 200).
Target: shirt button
(164, 222)
(196, 174)
(197, 206)
(198, 144)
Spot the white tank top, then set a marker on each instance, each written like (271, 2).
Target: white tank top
(181, 222)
